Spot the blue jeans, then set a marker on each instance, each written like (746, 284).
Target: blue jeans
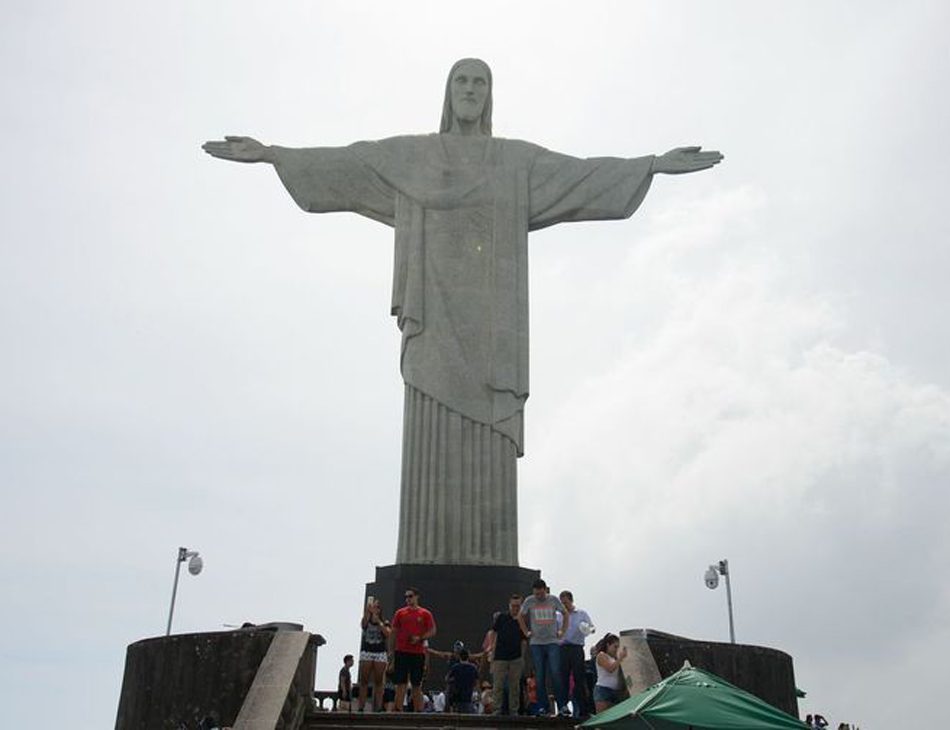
(547, 661)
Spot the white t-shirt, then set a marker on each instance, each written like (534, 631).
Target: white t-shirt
(606, 678)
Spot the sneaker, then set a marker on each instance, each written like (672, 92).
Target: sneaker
(564, 712)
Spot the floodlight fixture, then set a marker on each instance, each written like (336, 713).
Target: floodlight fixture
(195, 564)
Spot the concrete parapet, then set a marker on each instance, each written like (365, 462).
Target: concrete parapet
(653, 655)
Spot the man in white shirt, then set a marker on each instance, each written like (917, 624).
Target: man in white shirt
(572, 654)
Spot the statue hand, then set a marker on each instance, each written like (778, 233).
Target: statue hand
(239, 149)
(686, 159)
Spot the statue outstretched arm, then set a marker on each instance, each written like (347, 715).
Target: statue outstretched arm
(564, 188)
(682, 160)
(319, 179)
(239, 149)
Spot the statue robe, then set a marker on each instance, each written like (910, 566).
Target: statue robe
(462, 208)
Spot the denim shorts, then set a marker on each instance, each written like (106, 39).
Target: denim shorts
(604, 694)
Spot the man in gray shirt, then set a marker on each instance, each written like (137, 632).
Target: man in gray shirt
(538, 621)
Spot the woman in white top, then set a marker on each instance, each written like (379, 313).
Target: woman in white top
(607, 660)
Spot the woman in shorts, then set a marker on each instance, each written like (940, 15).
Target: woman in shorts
(373, 655)
(608, 658)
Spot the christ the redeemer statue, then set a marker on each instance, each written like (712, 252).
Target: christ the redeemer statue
(462, 203)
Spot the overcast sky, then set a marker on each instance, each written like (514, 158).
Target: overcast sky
(753, 367)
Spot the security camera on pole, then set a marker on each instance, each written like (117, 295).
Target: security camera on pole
(712, 581)
(195, 564)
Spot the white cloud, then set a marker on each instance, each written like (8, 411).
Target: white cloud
(734, 425)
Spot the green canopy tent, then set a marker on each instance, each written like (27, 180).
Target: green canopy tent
(693, 698)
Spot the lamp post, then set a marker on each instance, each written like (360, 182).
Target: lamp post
(195, 564)
(712, 580)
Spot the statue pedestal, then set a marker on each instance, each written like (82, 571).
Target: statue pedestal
(462, 599)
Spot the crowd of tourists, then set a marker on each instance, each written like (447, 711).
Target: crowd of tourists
(532, 662)
(818, 722)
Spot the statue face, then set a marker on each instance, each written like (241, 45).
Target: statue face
(469, 91)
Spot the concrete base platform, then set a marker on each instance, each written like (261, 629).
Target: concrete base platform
(653, 655)
(181, 679)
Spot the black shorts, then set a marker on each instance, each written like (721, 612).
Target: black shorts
(409, 666)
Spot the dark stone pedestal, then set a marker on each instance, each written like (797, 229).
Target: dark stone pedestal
(462, 599)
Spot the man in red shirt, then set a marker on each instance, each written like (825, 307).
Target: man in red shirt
(412, 625)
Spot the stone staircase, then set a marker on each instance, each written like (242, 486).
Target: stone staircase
(429, 721)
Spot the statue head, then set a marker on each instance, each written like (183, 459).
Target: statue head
(468, 96)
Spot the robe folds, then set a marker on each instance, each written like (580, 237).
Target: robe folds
(462, 208)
